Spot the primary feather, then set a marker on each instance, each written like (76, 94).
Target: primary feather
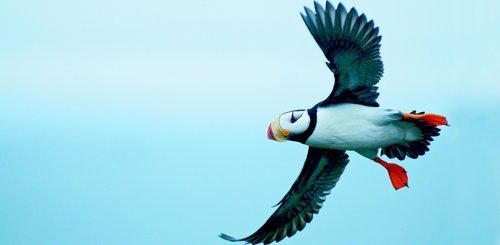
(352, 48)
(322, 169)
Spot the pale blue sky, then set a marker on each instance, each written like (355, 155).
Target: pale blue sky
(145, 122)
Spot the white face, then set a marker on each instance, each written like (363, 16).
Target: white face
(296, 122)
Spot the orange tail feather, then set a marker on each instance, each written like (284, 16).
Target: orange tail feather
(431, 119)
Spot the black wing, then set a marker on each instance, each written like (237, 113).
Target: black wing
(352, 47)
(321, 171)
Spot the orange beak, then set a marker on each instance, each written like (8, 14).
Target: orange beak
(274, 131)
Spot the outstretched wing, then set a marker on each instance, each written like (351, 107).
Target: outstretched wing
(321, 171)
(352, 46)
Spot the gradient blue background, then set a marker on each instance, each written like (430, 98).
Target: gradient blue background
(145, 122)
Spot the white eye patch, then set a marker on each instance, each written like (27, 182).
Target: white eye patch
(295, 121)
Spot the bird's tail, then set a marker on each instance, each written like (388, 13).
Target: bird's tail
(427, 125)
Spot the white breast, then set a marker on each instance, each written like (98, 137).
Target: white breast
(356, 127)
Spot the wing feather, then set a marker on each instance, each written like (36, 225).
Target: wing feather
(321, 172)
(351, 45)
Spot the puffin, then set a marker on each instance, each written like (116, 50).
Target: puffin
(349, 119)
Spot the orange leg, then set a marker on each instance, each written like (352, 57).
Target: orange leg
(397, 174)
(431, 119)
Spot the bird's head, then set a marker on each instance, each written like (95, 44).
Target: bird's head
(288, 124)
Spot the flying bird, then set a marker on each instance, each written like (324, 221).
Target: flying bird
(349, 119)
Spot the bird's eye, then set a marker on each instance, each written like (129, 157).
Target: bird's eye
(293, 119)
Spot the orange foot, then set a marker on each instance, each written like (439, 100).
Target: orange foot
(431, 119)
(397, 174)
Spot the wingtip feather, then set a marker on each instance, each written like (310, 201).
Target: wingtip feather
(228, 238)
